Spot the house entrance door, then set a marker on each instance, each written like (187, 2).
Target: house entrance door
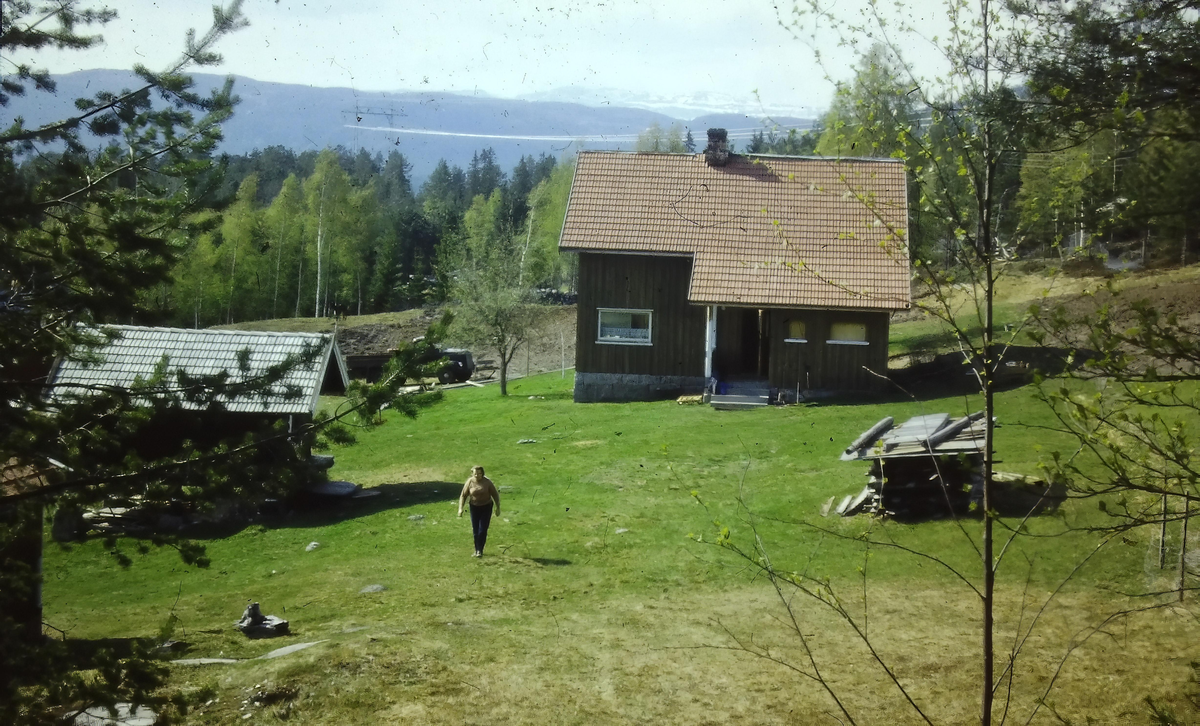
(764, 344)
(741, 341)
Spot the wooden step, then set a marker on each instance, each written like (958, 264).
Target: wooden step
(738, 403)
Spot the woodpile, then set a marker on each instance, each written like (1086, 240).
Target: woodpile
(932, 466)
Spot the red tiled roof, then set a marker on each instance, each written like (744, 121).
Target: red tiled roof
(764, 231)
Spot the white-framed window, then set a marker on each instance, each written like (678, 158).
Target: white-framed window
(848, 334)
(625, 327)
(796, 332)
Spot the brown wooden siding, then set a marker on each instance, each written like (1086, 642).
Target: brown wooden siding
(641, 282)
(817, 365)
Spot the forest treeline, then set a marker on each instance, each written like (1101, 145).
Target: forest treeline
(286, 234)
(1066, 195)
(341, 232)
(1129, 186)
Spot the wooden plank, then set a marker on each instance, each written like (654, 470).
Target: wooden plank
(869, 436)
(827, 506)
(856, 504)
(844, 504)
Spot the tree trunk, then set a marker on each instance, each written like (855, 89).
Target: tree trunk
(232, 273)
(1162, 535)
(199, 305)
(528, 236)
(320, 240)
(989, 363)
(299, 282)
(23, 552)
(278, 263)
(1187, 510)
(507, 353)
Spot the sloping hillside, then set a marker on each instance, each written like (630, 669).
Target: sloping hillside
(376, 334)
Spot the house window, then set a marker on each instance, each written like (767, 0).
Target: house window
(626, 327)
(795, 332)
(848, 334)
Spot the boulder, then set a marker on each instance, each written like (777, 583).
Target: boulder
(256, 625)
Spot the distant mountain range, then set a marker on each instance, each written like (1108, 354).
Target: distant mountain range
(424, 126)
(684, 106)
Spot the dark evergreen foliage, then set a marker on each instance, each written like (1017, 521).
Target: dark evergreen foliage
(88, 236)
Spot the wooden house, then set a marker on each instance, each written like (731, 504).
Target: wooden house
(710, 270)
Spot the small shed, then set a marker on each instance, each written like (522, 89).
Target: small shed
(136, 353)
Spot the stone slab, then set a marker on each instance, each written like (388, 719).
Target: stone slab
(204, 661)
(125, 716)
(288, 650)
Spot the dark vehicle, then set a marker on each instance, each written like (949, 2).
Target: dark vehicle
(459, 367)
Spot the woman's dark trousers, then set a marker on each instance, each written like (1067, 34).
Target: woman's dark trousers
(481, 516)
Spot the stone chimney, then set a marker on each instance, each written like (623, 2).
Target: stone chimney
(717, 151)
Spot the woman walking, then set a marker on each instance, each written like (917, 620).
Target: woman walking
(481, 492)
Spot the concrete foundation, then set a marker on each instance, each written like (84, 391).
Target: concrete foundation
(614, 387)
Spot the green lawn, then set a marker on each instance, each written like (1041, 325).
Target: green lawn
(592, 604)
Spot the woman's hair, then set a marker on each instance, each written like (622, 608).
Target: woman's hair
(477, 470)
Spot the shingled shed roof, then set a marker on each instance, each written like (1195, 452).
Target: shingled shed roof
(137, 351)
(769, 231)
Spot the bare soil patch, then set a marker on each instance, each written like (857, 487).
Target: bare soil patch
(1178, 297)
(380, 336)
(551, 350)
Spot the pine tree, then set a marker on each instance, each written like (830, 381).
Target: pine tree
(113, 200)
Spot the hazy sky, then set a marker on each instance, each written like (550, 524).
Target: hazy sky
(666, 49)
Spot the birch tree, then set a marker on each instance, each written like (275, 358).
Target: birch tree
(961, 134)
(327, 200)
(282, 227)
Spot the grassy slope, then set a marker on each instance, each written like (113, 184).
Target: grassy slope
(1015, 293)
(568, 620)
(565, 608)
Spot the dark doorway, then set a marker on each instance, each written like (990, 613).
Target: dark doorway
(741, 351)
(764, 343)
